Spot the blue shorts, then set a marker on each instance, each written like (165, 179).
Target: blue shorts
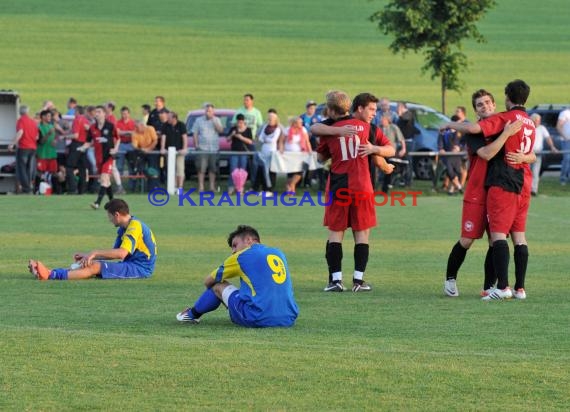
(236, 309)
(122, 270)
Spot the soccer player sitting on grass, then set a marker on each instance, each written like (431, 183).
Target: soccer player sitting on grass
(135, 247)
(265, 296)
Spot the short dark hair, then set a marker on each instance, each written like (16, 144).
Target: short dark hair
(462, 109)
(72, 100)
(481, 93)
(161, 98)
(100, 106)
(243, 231)
(362, 100)
(125, 109)
(240, 117)
(272, 110)
(517, 91)
(44, 113)
(80, 109)
(249, 95)
(117, 205)
(146, 107)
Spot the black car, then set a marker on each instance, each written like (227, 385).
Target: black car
(427, 122)
(549, 114)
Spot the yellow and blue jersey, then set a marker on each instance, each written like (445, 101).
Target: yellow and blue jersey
(139, 241)
(265, 285)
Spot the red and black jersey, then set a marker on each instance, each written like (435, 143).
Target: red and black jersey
(475, 190)
(348, 168)
(500, 172)
(103, 140)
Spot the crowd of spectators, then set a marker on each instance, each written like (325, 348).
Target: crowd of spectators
(52, 147)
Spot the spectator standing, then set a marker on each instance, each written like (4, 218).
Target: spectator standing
(145, 109)
(125, 128)
(384, 110)
(71, 105)
(394, 134)
(76, 156)
(206, 131)
(296, 140)
(110, 113)
(153, 117)
(309, 118)
(541, 136)
(25, 142)
(46, 152)
(563, 127)
(448, 141)
(461, 113)
(241, 139)
(253, 120)
(269, 136)
(174, 135)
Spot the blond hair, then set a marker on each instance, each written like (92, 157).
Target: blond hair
(338, 102)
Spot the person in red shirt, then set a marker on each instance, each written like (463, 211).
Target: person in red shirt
(77, 159)
(349, 185)
(508, 195)
(125, 127)
(25, 142)
(102, 135)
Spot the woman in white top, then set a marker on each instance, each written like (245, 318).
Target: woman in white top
(297, 140)
(269, 136)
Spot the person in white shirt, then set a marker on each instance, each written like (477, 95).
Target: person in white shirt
(541, 135)
(563, 127)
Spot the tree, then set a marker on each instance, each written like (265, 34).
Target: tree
(437, 27)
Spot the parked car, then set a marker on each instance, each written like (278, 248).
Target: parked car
(225, 116)
(427, 122)
(549, 114)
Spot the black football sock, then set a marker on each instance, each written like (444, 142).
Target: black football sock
(334, 257)
(521, 261)
(490, 276)
(100, 195)
(110, 193)
(501, 262)
(326, 257)
(361, 252)
(455, 260)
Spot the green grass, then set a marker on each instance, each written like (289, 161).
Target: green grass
(282, 52)
(115, 344)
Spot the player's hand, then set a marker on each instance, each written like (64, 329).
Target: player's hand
(183, 152)
(11, 147)
(347, 130)
(512, 128)
(113, 151)
(367, 149)
(87, 260)
(516, 158)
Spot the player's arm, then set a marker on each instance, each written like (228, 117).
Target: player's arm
(107, 254)
(229, 269)
(320, 129)
(473, 128)
(489, 151)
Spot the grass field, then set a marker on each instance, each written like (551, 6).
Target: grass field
(284, 52)
(116, 345)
